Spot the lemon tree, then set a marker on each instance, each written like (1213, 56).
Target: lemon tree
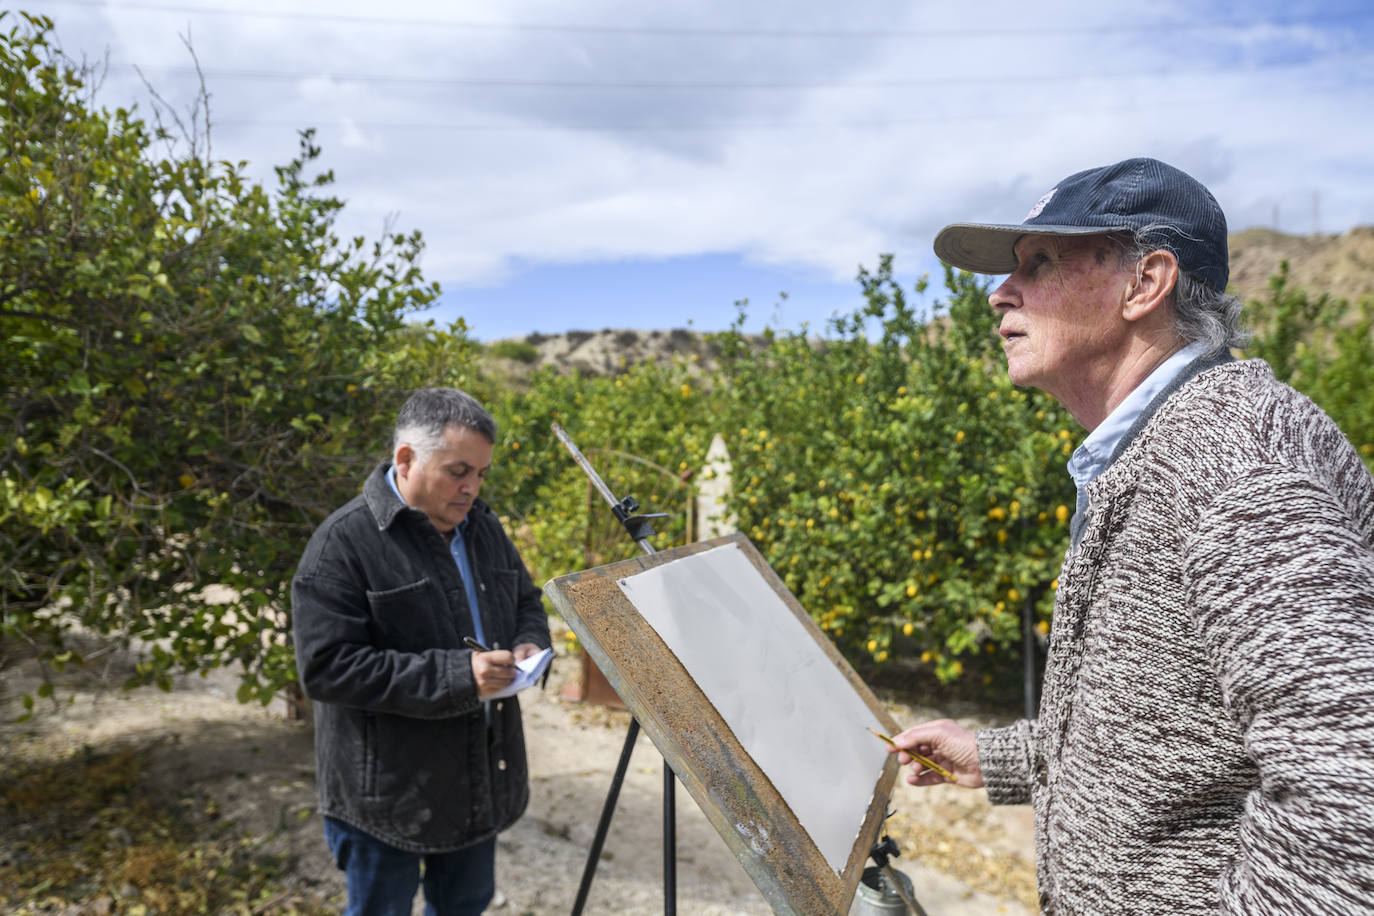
(194, 370)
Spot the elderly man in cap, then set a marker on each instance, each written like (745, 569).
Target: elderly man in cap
(1205, 741)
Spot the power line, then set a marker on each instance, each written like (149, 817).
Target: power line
(478, 82)
(719, 32)
(866, 124)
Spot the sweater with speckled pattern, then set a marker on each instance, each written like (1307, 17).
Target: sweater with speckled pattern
(1205, 740)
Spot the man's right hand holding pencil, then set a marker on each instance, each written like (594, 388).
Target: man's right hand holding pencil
(944, 743)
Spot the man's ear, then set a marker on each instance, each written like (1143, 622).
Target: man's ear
(1156, 275)
(403, 458)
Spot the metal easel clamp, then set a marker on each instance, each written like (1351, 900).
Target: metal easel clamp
(884, 850)
(637, 525)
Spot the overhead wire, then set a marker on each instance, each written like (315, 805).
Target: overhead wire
(480, 82)
(1058, 27)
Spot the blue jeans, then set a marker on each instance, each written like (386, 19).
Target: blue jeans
(382, 879)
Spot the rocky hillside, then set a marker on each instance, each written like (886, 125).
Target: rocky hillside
(1342, 265)
(603, 352)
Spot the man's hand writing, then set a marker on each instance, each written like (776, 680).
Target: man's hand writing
(492, 671)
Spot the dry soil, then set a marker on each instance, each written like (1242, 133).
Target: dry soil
(964, 856)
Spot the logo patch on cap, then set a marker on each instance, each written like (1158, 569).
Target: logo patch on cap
(1040, 205)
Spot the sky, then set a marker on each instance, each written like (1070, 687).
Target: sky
(612, 164)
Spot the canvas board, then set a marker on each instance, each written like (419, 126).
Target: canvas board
(752, 706)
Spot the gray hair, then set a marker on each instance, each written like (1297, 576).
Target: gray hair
(1202, 314)
(429, 411)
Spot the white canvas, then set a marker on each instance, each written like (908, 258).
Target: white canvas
(790, 708)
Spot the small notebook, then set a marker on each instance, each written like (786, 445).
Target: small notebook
(528, 673)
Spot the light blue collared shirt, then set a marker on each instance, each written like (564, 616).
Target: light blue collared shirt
(1091, 458)
(457, 547)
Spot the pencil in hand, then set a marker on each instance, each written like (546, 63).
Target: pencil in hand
(923, 761)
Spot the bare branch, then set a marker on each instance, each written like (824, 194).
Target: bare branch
(204, 94)
(161, 105)
(138, 488)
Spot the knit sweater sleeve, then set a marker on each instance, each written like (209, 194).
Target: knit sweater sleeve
(1006, 757)
(1280, 582)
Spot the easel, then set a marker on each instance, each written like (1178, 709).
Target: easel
(785, 844)
(640, 530)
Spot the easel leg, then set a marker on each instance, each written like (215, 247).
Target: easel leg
(669, 841)
(607, 810)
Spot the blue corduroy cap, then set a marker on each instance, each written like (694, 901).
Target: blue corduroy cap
(1125, 197)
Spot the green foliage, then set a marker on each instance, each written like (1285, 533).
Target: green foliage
(521, 351)
(194, 371)
(658, 413)
(1322, 346)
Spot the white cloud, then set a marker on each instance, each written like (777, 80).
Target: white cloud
(555, 141)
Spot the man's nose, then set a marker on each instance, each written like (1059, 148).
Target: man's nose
(1003, 296)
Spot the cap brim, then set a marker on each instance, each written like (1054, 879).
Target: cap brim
(991, 249)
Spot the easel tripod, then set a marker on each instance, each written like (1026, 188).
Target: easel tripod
(640, 530)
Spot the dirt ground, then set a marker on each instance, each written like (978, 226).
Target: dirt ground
(965, 857)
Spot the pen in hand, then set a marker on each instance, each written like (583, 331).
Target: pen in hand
(489, 676)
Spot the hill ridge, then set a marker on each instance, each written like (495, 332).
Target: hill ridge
(1339, 264)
